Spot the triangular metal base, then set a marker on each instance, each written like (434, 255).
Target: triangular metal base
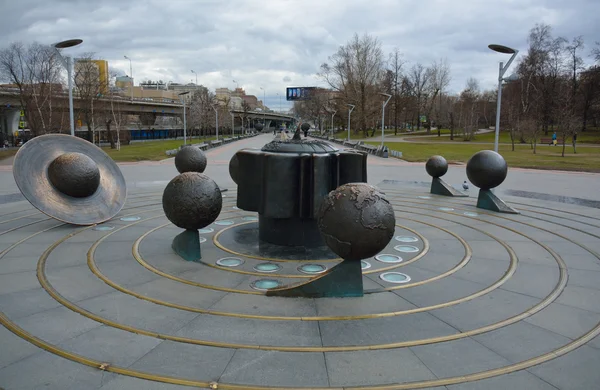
(187, 245)
(343, 280)
(487, 200)
(440, 187)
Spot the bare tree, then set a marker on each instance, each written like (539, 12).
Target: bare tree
(576, 62)
(439, 80)
(469, 98)
(395, 64)
(356, 71)
(36, 72)
(88, 83)
(418, 80)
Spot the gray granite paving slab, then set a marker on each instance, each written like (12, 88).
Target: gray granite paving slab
(533, 280)
(110, 345)
(567, 248)
(467, 233)
(253, 331)
(47, 371)
(442, 290)
(135, 312)
(14, 348)
(582, 262)
(178, 293)
(458, 357)
(565, 320)
(129, 383)
(383, 330)
(439, 262)
(364, 368)
(584, 298)
(371, 303)
(68, 254)
(24, 303)
(77, 283)
(444, 247)
(493, 307)
(56, 325)
(15, 282)
(516, 380)
(10, 265)
(269, 368)
(215, 277)
(127, 272)
(263, 305)
(185, 361)
(531, 253)
(575, 370)
(588, 279)
(482, 270)
(522, 341)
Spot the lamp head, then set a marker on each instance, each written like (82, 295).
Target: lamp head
(502, 49)
(68, 43)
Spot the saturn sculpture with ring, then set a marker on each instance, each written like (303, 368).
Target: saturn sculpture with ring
(69, 179)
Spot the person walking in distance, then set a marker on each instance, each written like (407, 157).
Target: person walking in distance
(554, 139)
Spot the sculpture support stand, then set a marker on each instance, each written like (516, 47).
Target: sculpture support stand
(440, 187)
(187, 245)
(487, 200)
(343, 280)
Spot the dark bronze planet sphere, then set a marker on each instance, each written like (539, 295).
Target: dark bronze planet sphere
(190, 159)
(305, 126)
(74, 174)
(436, 166)
(356, 221)
(192, 200)
(486, 169)
(258, 126)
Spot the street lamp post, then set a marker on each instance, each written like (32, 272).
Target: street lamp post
(263, 106)
(214, 106)
(278, 94)
(196, 77)
(332, 115)
(383, 115)
(349, 112)
(68, 63)
(130, 75)
(232, 124)
(182, 97)
(237, 86)
(502, 69)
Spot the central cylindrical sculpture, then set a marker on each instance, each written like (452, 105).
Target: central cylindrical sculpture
(286, 181)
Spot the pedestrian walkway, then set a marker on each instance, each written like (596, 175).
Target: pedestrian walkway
(461, 298)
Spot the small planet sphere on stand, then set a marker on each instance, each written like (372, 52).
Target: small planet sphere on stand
(356, 221)
(192, 200)
(487, 169)
(74, 174)
(436, 166)
(305, 126)
(258, 126)
(190, 159)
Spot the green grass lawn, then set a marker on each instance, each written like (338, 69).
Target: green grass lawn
(590, 137)
(388, 133)
(149, 151)
(586, 159)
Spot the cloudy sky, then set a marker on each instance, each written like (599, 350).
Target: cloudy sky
(281, 43)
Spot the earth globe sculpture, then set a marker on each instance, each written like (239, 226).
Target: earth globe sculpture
(190, 159)
(191, 201)
(487, 169)
(356, 221)
(69, 179)
(436, 167)
(258, 126)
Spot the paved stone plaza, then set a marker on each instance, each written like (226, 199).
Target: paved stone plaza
(461, 298)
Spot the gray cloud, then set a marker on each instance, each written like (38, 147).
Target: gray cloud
(285, 41)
